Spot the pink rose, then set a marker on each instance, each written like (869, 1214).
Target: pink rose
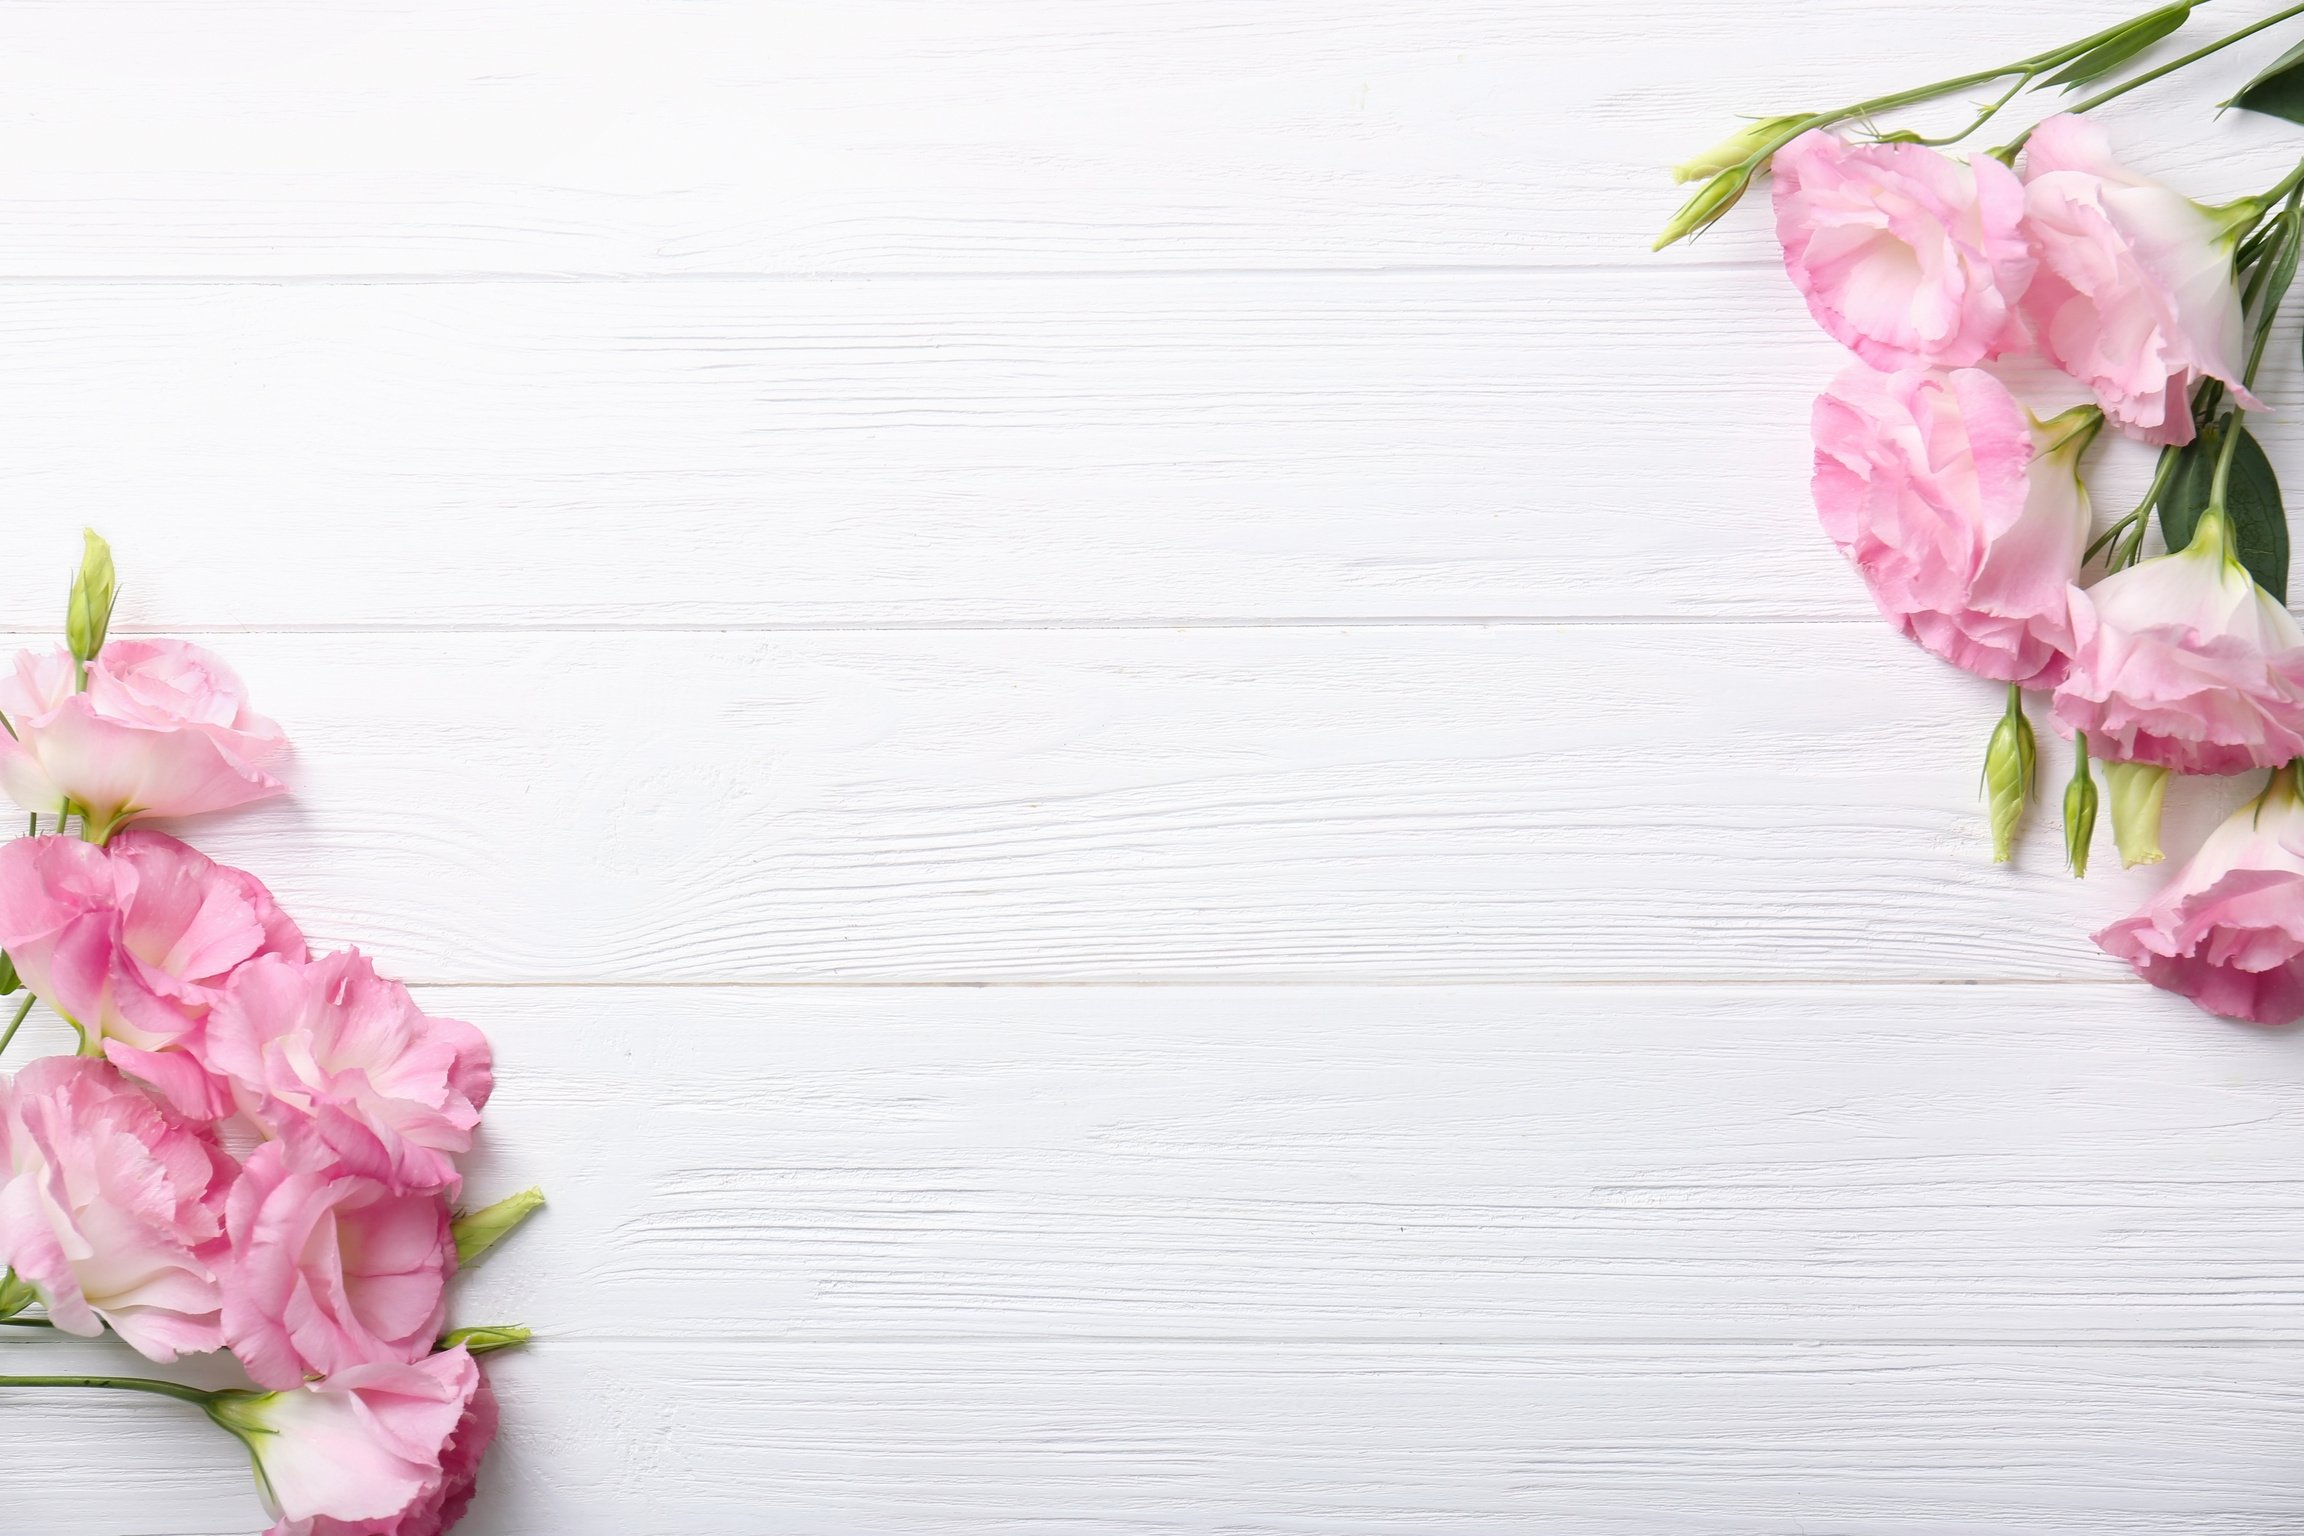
(2183, 662)
(112, 1208)
(2228, 931)
(2135, 296)
(1908, 257)
(1965, 518)
(394, 1092)
(376, 1450)
(329, 1270)
(133, 942)
(164, 729)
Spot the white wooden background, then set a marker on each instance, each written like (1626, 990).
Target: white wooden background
(1144, 755)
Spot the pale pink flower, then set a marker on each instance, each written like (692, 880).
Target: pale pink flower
(375, 1450)
(329, 1270)
(2228, 931)
(394, 1092)
(1964, 516)
(163, 729)
(1908, 257)
(2183, 662)
(112, 1207)
(2135, 295)
(132, 943)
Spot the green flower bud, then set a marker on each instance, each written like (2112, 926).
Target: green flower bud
(2079, 809)
(478, 1231)
(1737, 148)
(2009, 764)
(15, 1293)
(2138, 791)
(1703, 210)
(486, 1341)
(89, 617)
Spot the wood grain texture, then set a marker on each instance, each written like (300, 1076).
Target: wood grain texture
(1145, 758)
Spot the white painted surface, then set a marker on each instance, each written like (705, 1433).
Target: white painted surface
(1168, 817)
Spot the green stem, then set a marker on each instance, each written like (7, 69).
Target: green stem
(17, 1022)
(2223, 478)
(2008, 151)
(182, 1394)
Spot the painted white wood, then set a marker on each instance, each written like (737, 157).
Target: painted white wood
(1147, 763)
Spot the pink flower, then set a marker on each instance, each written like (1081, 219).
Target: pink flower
(2135, 296)
(164, 729)
(394, 1092)
(329, 1270)
(2228, 931)
(112, 1208)
(1965, 517)
(1908, 257)
(133, 942)
(376, 1450)
(2183, 662)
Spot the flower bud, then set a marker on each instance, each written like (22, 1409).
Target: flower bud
(2009, 762)
(478, 1231)
(1712, 199)
(2079, 809)
(89, 617)
(2138, 791)
(486, 1341)
(16, 1293)
(1737, 148)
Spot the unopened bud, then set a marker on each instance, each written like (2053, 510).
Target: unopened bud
(88, 618)
(478, 1231)
(1737, 148)
(2079, 809)
(1712, 200)
(2138, 792)
(486, 1341)
(16, 1293)
(2009, 762)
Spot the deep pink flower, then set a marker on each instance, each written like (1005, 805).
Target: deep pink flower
(163, 729)
(376, 1450)
(2228, 931)
(1908, 257)
(329, 1270)
(112, 1207)
(393, 1091)
(132, 943)
(2183, 662)
(1965, 518)
(2135, 295)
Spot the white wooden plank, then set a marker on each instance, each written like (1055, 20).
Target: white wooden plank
(1541, 1164)
(653, 137)
(1492, 802)
(1563, 444)
(1248, 1438)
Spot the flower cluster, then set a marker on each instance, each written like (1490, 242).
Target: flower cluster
(255, 1147)
(1965, 512)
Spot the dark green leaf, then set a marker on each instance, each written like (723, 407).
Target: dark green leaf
(2251, 500)
(2279, 90)
(2122, 46)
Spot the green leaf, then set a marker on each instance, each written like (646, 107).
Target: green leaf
(2279, 90)
(2251, 500)
(2122, 46)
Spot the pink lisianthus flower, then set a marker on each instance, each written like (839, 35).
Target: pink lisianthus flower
(163, 729)
(2228, 931)
(113, 1207)
(329, 1270)
(133, 942)
(1965, 517)
(394, 1092)
(375, 1450)
(2185, 663)
(2135, 295)
(1906, 256)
